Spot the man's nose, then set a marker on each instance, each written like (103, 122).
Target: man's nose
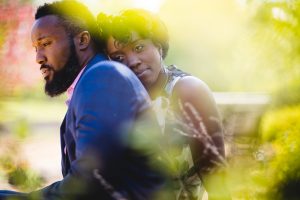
(40, 57)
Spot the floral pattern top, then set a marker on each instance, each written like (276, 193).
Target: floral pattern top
(176, 151)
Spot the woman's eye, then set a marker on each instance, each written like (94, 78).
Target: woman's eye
(118, 58)
(139, 48)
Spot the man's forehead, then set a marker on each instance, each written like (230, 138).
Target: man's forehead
(46, 26)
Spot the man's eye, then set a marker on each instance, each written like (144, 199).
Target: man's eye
(46, 44)
(138, 48)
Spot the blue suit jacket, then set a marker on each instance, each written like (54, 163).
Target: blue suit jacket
(100, 161)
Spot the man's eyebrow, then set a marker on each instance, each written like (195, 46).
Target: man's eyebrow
(43, 37)
(40, 39)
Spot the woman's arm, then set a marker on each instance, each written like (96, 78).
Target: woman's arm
(194, 102)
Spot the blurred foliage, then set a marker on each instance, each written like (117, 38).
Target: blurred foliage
(277, 34)
(281, 136)
(16, 62)
(287, 93)
(267, 58)
(236, 45)
(272, 171)
(245, 178)
(203, 39)
(21, 129)
(12, 166)
(15, 20)
(279, 123)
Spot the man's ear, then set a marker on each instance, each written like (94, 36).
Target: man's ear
(83, 40)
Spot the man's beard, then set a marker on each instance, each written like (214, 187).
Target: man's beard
(63, 78)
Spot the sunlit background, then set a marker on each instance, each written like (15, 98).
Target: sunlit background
(247, 51)
(222, 42)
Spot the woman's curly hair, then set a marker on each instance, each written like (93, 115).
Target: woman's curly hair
(146, 24)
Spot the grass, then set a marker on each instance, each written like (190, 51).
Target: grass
(32, 110)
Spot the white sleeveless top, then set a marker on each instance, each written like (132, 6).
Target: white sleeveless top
(191, 186)
(161, 104)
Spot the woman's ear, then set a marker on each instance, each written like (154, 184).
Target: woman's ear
(159, 47)
(160, 51)
(83, 40)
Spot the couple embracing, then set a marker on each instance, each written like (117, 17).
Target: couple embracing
(135, 128)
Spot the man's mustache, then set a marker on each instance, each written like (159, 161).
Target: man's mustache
(45, 66)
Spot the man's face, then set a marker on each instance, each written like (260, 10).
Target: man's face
(55, 52)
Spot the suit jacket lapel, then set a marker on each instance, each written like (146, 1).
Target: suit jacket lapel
(63, 145)
(63, 136)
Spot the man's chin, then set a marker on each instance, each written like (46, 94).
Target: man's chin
(53, 94)
(53, 91)
(48, 79)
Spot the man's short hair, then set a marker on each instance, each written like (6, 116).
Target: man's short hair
(74, 16)
(146, 24)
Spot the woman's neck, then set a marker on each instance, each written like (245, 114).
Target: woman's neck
(158, 87)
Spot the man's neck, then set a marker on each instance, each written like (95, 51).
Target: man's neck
(84, 59)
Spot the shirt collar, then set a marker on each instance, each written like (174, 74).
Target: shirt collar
(70, 90)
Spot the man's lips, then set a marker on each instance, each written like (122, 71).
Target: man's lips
(45, 70)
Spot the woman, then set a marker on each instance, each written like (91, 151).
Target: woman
(184, 104)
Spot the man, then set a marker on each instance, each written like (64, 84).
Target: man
(105, 102)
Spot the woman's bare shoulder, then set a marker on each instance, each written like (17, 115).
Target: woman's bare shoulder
(190, 87)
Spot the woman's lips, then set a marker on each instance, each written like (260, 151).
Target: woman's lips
(142, 73)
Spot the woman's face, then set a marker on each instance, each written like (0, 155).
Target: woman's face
(140, 55)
